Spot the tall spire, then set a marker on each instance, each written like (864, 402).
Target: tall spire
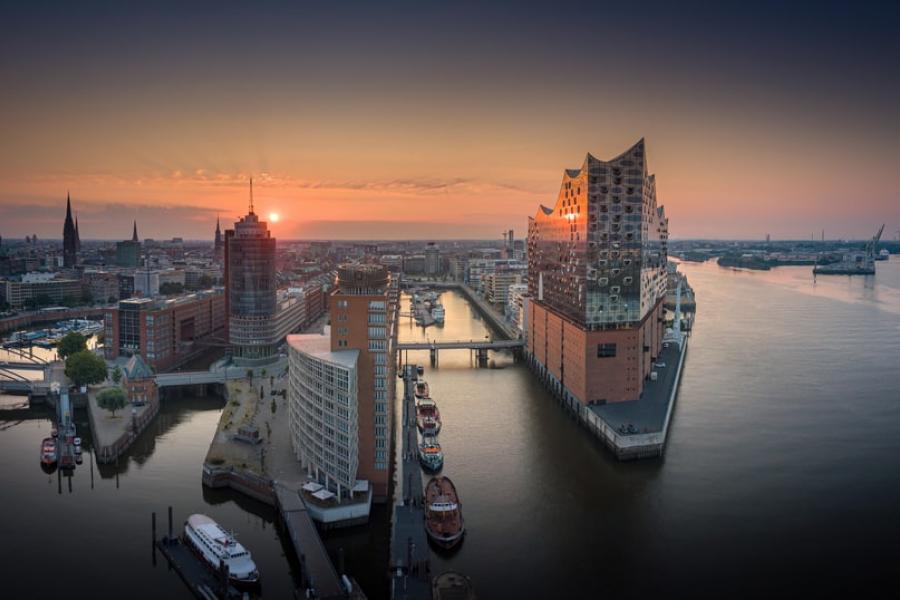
(251, 195)
(218, 229)
(70, 237)
(134, 236)
(68, 206)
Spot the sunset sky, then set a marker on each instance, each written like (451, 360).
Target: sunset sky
(444, 120)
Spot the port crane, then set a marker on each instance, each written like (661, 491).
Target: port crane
(873, 243)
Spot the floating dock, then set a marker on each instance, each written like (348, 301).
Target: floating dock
(410, 554)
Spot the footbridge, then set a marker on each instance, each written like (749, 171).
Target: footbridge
(479, 347)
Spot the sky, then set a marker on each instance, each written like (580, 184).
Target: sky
(436, 120)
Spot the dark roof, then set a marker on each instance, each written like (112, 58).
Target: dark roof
(136, 368)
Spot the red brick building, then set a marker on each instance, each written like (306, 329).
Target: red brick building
(164, 332)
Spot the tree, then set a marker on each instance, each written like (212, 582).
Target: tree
(111, 399)
(250, 375)
(85, 368)
(117, 375)
(71, 343)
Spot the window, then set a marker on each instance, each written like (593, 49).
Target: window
(606, 350)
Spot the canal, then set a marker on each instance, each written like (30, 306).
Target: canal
(781, 469)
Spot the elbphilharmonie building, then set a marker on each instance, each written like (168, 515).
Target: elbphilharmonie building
(597, 279)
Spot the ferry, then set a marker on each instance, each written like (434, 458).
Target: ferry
(428, 417)
(430, 454)
(48, 452)
(214, 545)
(422, 389)
(443, 515)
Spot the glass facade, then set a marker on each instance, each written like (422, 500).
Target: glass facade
(598, 256)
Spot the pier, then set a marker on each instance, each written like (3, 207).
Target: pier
(410, 554)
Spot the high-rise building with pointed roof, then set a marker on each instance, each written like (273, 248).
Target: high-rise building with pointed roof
(70, 237)
(128, 252)
(597, 280)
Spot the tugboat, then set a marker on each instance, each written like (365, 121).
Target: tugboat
(214, 545)
(430, 454)
(428, 417)
(422, 389)
(443, 515)
(48, 452)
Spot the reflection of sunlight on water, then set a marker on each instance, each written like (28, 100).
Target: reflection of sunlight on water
(881, 290)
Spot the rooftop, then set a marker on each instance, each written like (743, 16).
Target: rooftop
(318, 346)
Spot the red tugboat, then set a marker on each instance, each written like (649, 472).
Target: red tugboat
(428, 417)
(443, 516)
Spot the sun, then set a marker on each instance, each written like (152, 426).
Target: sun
(274, 217)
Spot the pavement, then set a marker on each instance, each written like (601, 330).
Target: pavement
(647, 414)
(107, 429)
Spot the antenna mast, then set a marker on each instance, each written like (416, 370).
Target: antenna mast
(251, 195)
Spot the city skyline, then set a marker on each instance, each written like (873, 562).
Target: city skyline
(760, 122)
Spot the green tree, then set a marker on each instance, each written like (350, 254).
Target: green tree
(85, 368)
(250, 375)
(71, 343)
(111, 399)
(117, 375)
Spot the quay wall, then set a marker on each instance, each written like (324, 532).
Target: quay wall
(249, 484)
(625, 447)
(111, 452)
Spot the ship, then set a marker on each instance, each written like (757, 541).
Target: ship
(443, 513)
(430, 454)
(216, 546)
(883, 255)
(853, 263)
(48, 452)
(428, 417)
(422, 389)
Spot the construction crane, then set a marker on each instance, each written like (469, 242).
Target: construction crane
(870, 246)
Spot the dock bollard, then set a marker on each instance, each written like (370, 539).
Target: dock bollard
(170, 523)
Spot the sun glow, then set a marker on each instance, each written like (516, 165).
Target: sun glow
(274, 217)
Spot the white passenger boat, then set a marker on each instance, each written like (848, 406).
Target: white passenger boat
(215, 545)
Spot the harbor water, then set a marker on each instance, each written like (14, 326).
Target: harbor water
(781, 472)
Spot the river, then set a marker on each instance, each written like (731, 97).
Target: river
(780, 473)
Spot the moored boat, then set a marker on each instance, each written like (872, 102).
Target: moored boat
(421, 390)
(437, 313)
(428, 417)
(430, 454)
(452, 586)
(48, 452)
(420, 370)
(443, 513)
(215, 546)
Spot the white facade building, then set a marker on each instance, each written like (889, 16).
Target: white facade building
(323, 411)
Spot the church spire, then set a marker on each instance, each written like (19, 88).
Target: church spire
(251, 195)
(134, 236)
(218, 229)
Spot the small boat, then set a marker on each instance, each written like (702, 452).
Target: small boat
(428, 417)
(430, 454)
(422, 389)
(443, 513)
(214, 545)
(452, 586)
(77, 442)
(420, 370)
(79, 458)
(54, 432)
(48, 452)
